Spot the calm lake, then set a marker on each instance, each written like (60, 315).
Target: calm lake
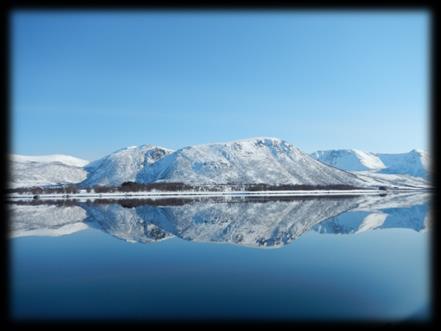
(329, 258)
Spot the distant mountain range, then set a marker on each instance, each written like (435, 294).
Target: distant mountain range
(248, 161)
(414, 163)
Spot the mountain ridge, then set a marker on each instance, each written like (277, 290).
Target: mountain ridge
(267, 160)
(253, 160)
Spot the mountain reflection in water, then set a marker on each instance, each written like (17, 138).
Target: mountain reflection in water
(253, 222)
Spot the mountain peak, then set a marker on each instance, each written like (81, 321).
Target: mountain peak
(253, 140)
(261, 139)
(123, 165)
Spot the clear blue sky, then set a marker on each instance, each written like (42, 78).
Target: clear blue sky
(88, 83)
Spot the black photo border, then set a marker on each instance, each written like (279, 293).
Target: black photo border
(11, 6)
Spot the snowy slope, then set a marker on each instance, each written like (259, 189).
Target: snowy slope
(26, 171)
(413, 163)
(123, 165)
(349, 159)
(255, 160)
(394, 180)
(64, 159)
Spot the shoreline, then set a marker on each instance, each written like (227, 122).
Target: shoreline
(181, 194)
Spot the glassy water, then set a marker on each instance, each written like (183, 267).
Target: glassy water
(341, 258)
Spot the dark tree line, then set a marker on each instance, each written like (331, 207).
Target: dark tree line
(128, 187)
(137, 187)
(66, 189)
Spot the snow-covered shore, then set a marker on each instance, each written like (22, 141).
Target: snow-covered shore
(180, 194)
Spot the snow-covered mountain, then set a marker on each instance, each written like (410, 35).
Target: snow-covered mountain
(60, 158)
(255, 160)
(29, 171)
(123, 165)
(414, 163)
(248, 161)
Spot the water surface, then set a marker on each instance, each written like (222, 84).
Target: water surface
(333, 258)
